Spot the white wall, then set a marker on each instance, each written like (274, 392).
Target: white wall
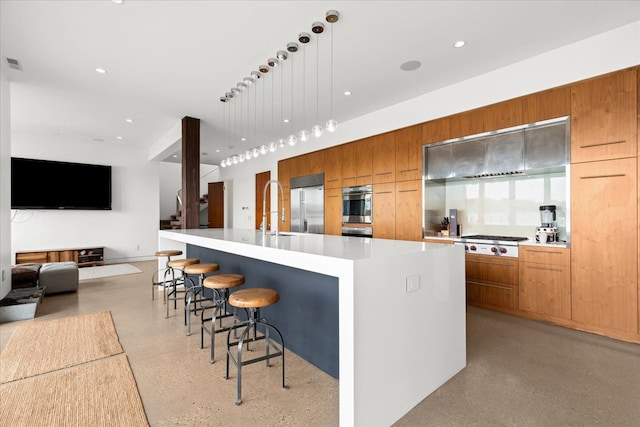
(129, 232)
(5, 183)
(607, 52)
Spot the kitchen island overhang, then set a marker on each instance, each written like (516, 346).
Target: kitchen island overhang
(401, 309)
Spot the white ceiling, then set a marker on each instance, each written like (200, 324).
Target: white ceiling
(170, 59)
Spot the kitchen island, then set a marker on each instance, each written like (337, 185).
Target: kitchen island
(400, 308)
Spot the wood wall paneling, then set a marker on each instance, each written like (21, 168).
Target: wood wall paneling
(604, 117)
(604, 253)
(384, 210)
(384, 158)
(546, 105)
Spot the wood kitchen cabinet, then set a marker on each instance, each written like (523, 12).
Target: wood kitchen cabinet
(333, 211)
(547, 104)
(492, 281)
(284, 176)
(349, 164)
(466, 123)
(364, 161)
(503, 115)
(408, 210)
(384, 211)
(384, 158)
(604, 244)
(604, 117)
(409, 153)
(333, 167)
(545, 281)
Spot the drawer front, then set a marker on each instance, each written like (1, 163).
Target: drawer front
(545, 289)
(549, 256)
(494, 295)
(491, 269)
(31, 257)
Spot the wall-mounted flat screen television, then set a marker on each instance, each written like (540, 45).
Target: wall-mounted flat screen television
(46, 184)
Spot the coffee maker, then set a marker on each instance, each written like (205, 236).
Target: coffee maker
(548, 230)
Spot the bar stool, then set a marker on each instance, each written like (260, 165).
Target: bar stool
(253, 300)
(178, 265)
(220, 285)
(166, 271)
(192, 291)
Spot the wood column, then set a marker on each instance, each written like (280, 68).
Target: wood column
(190, 172)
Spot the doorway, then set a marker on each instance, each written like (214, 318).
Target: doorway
(261, 180)
(216, 205)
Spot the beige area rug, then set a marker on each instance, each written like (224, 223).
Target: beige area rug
(45, 346)
(100, 271)
(100, 393)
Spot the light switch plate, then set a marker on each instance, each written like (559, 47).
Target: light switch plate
(412, 283)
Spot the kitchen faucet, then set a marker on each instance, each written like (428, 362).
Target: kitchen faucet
(264, 207)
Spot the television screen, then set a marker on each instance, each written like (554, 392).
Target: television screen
(46, 184)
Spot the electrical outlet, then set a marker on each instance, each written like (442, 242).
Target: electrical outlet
(412, 283)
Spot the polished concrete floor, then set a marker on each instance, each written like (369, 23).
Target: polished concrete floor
(519, 372)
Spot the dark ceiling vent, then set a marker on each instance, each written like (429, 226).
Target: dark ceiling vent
(14, 63)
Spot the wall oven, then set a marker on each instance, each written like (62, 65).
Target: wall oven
(356, 204)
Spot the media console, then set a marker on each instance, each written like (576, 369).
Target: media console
(84, 257)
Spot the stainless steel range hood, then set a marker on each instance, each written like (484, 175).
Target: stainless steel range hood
(528, 149)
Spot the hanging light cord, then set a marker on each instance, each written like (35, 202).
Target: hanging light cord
(317, 78)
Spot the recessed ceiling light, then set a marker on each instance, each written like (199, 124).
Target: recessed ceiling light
(118, 137)
(175, 156)
(101, 71)
(217, 151)
(410, 65)
(347, 92)
(286, 120)
(459, 43)
(118, 1)
(128, 120)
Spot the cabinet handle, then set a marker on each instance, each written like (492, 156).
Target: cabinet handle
(409, 170)
(543, 268)
(543, 252)
(493, 263)
(616, 175)
(384, 192)
(598, 144)
(383, 173)
(364, 176)
(492, 286)
(332, 180)
(333, 197)
(407, 191)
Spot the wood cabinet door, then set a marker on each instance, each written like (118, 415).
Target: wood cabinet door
(503, 115)
(384, 211)
(261, 180)
(604, 244)
(408, 210)
(409, 153)
(311, 163)
(604, 117)
(545, 281)
(215, 208)
(284, 176)
(333, 211)
(364, 161)
(349, 164)
(333, 167)
(384, 158)
(436, 130)
(547, 104)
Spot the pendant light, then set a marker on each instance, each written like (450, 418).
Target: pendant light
(292, 139)
(331, 16)
(303, 38)
(317, 28)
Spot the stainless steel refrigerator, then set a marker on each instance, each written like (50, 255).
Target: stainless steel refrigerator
(307, 204)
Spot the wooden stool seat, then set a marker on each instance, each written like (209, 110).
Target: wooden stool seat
(206, 267)
(254, 298)
(178, 263)
(223, 281)
(168, 253)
